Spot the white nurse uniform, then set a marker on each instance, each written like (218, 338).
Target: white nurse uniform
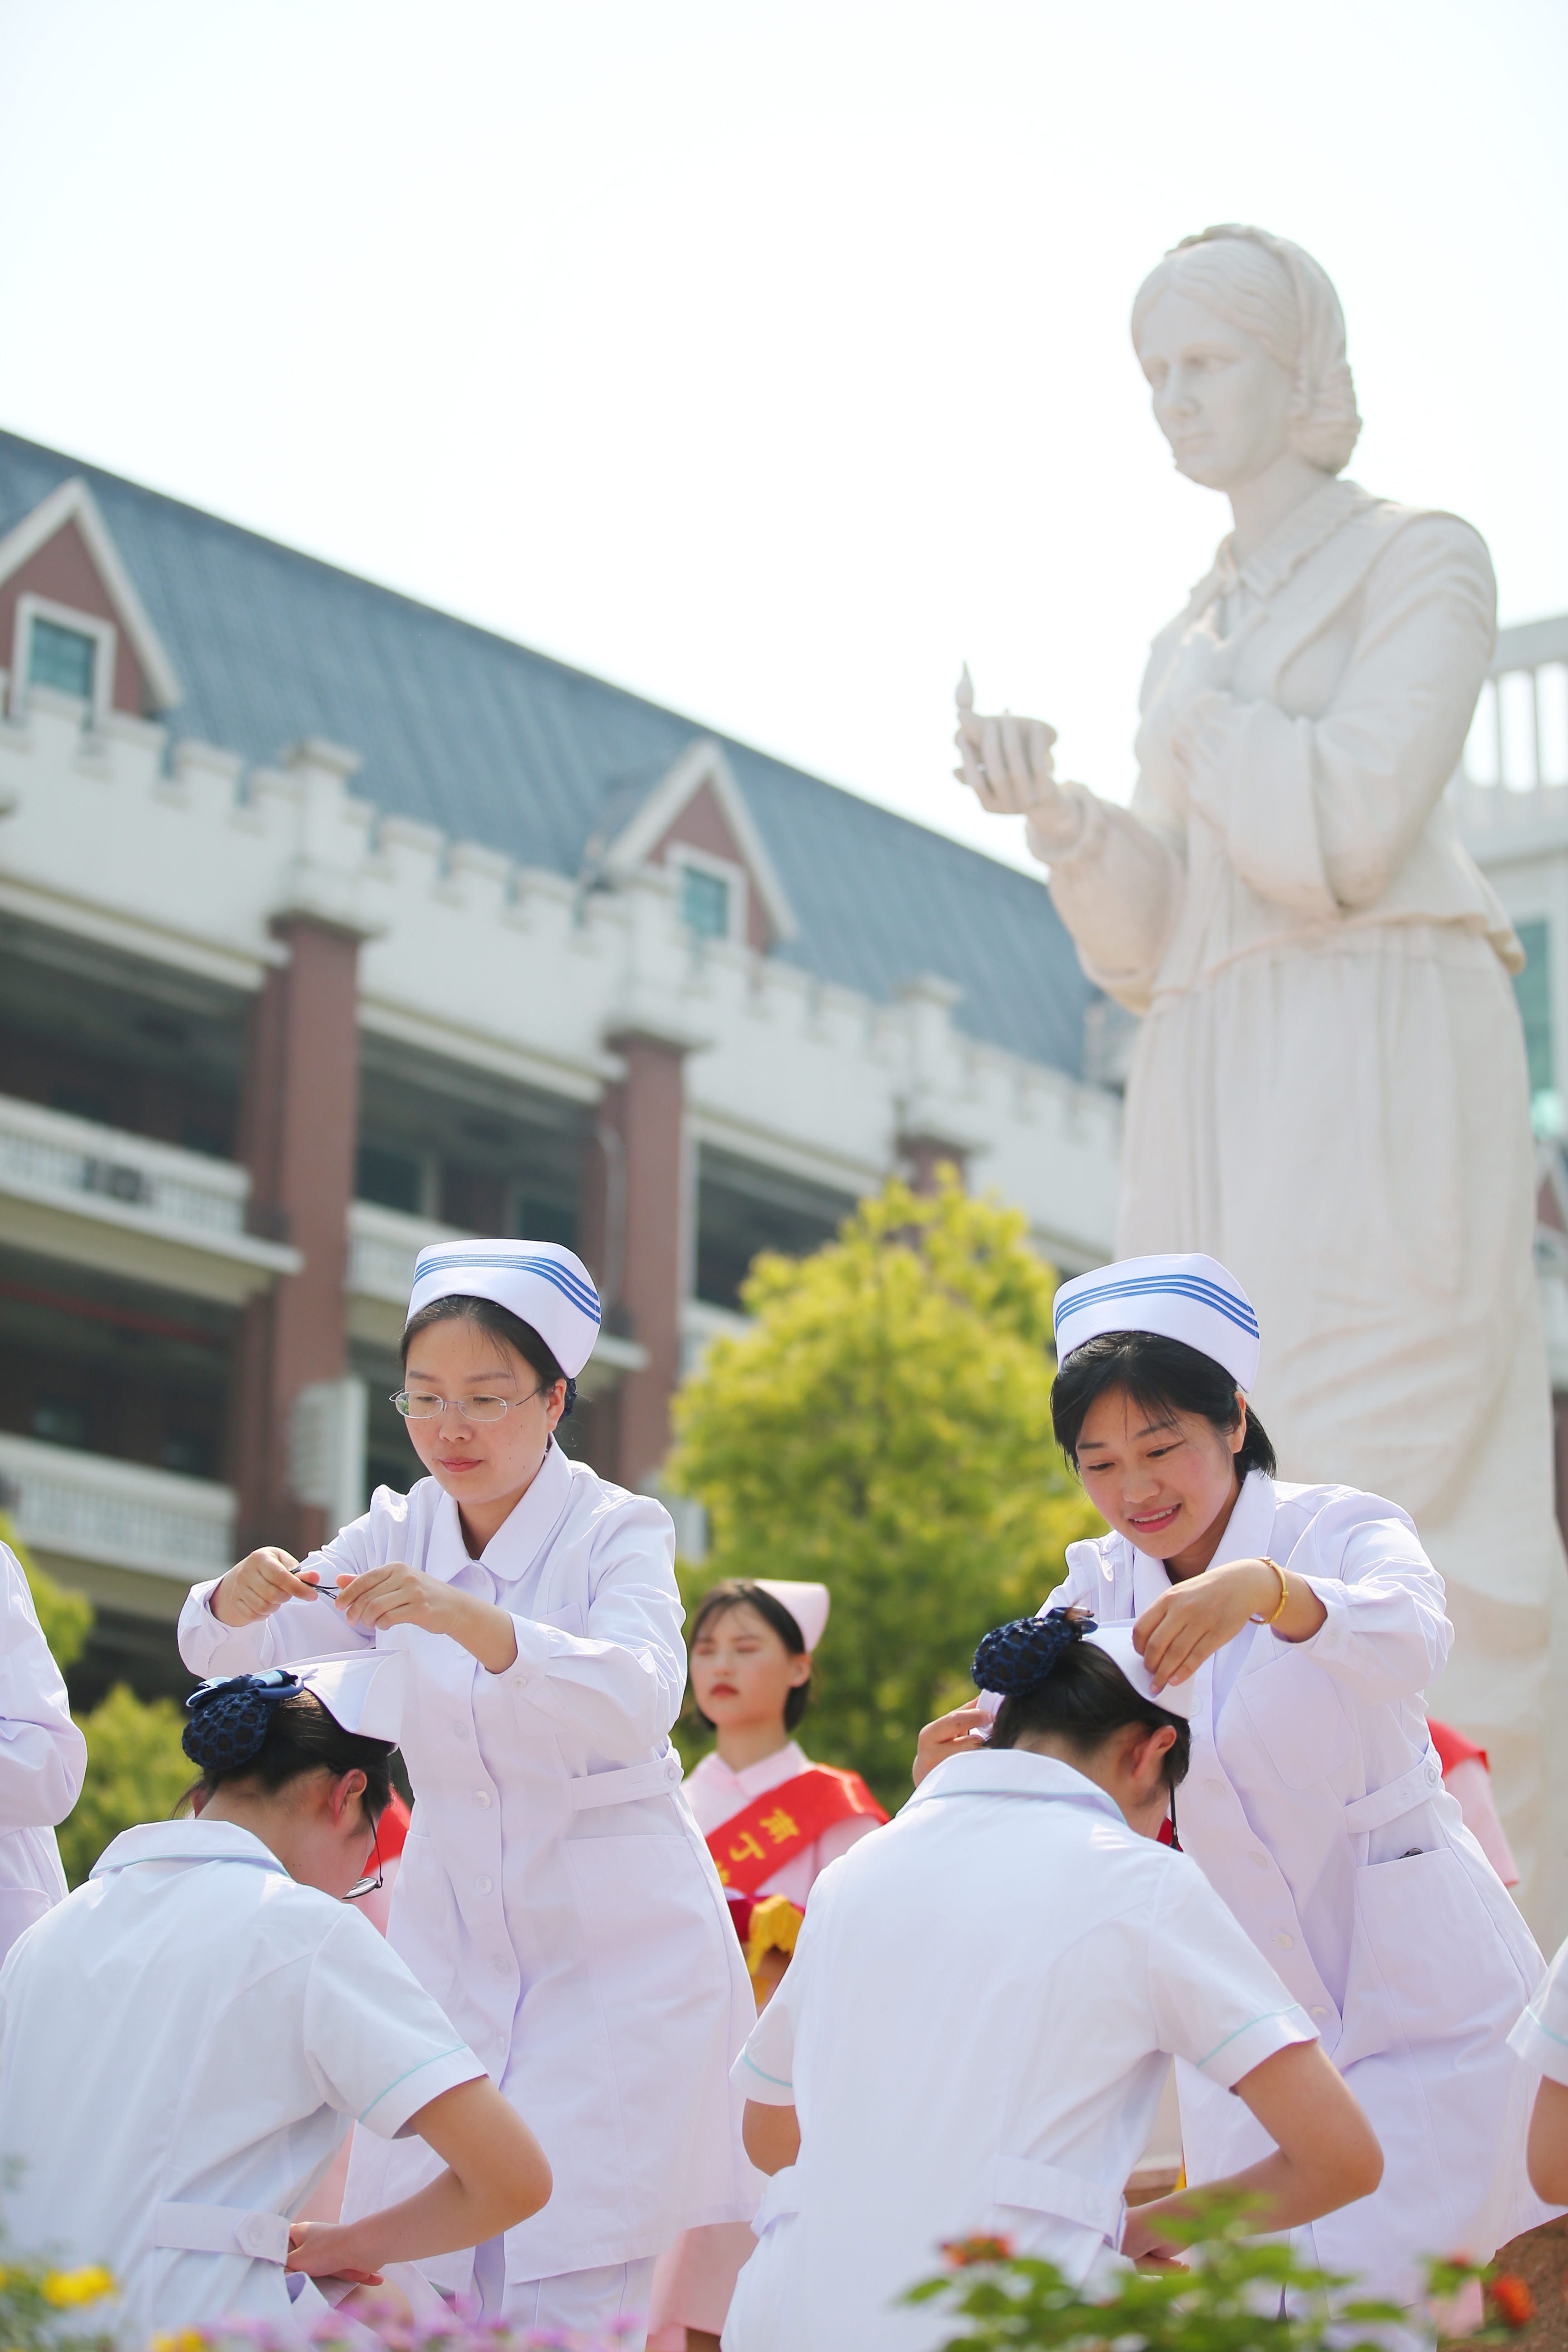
(183, 2044)
(954, 2079)
(43, 1760)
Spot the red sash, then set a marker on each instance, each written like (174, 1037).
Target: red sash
(751, 1845)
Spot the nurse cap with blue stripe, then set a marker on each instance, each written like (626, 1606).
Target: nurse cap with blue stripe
(539, 1282)
(1188, 1297)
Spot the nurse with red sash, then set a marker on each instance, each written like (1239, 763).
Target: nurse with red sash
(773, 1821)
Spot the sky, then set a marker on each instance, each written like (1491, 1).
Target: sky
(772, 359)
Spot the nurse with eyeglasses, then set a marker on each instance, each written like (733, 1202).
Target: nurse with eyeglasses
(555, 1896)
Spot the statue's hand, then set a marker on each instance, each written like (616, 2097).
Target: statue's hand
(1007, 765)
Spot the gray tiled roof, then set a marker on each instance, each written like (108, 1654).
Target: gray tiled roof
(463, 730)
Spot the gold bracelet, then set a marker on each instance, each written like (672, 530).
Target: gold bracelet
(1284, 1593)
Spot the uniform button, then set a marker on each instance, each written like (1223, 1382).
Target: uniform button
(459, 1729)
(1258, 1861)
(1433, 1772)
(482, 1796)
(500, 1967)
(672, 1770)
(483, 1885)
(1285, 1943)
(1319, 2011)
(1213, 1787)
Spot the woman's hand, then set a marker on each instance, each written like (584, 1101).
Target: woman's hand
(1194, 1619)
(326, 2250)
(260, 1584)
(958, 1734)
(1142, 2242)
(397, 1594)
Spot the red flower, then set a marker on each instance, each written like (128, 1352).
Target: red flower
(964, 2252)
(1514, 2301)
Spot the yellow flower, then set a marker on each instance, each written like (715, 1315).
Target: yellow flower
(188, 2339)
(66, 2289)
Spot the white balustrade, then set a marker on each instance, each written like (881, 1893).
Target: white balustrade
(383, 1247)
(88, 1507)
(47, 1153)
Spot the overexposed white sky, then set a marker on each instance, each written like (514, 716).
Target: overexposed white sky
(772, 358)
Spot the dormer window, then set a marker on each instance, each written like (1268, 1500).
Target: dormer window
(61, 658)
(64, 651)
(705, 903)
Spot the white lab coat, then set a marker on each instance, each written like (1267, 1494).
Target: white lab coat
(1315, 1806)
(43, 1760)
(974, 2032)
(183, 2043)
(555, 1897)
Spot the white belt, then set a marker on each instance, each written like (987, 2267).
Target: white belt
(222, 2230)
(1060, 2196)
(1402, 1795)
(656, 1779)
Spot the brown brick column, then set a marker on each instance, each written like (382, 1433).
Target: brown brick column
(644, 1115)
(924, 1155)
(299, 1120)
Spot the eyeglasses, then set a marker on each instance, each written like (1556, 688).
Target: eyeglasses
(368, 1886)
(421, 1404)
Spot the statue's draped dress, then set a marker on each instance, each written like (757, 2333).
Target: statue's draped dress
(1328, 1090)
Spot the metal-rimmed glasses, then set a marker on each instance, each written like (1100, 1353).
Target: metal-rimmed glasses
(424, 1404)
(367, 1885)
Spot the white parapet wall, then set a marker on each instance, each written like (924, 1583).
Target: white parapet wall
(524, 974)
(85, 1507)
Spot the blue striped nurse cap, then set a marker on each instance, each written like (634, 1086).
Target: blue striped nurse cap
(539, 1282)
(1188, 1297)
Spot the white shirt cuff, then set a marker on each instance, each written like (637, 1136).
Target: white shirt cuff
(388, 2114)
(1540, 2047)
(762, 2090)
(1249, 2045)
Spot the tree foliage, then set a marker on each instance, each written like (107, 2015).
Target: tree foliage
(884, 1428)
(136, 1771)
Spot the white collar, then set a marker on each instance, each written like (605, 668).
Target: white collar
(1014, 1772)
(755, 1779)
(521, 1537)
(188, 1841)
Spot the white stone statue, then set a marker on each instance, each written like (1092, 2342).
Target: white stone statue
(1328, 1091)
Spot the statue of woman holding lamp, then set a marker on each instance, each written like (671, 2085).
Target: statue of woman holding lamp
(1328, 1090)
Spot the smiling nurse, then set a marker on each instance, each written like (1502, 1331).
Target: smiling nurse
(1310, 1622)
(555, 1895)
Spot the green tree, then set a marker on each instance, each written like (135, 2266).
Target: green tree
(136, 1771)
(884, 1428)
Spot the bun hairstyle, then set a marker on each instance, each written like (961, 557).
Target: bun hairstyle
(270, 1728)
(501, 1324)
(1278, 294)
(737, 1593)
(1161, 1376)
(1051, 1681)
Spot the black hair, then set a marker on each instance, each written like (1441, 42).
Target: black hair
(737, 1592)
(501, 1324)
(1053, 1681)
(266, 1727)
(1161, 1376)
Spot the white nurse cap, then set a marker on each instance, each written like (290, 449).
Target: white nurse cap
(808, 1604)
(363, 1694)
(1116, 1641)
(539, 1282)
(1188, 1296)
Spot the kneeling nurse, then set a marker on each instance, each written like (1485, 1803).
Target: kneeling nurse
(555, 1895)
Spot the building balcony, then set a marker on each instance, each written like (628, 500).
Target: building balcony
(383, 1247)
(96, 1196)
(83, 1509)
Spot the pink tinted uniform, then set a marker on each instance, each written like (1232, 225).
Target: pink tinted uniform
(692, 2283)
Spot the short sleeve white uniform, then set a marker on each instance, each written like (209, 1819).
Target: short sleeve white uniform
(43, 1760)
(1540, 2036)
(974, 2032)
(183, 2043)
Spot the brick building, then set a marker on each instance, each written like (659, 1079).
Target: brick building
(330, 925)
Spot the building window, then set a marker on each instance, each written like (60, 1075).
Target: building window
(743, 1207)
(390, 1179)
(704, 902)
(61, 1421)
(1533, 987)
(64, 658)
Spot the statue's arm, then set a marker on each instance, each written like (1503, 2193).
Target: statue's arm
(1117, 880)
(1320, 815)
